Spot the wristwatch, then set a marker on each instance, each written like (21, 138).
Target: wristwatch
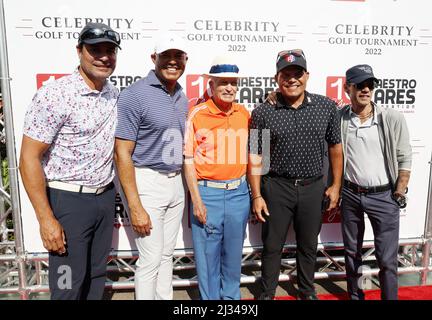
(401, 200)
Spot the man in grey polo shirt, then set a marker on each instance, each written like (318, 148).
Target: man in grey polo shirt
(377, 164)
(67, 166)
(149, 156)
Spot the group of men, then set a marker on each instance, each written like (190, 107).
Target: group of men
(78, 128)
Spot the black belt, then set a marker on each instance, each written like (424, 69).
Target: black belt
(365, 190)
(297, 181)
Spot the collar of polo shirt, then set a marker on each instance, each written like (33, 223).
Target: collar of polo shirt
(82, 87)
(280, 105)
(215, 110)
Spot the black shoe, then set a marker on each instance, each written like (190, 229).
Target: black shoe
(301, 296)
(265, 296)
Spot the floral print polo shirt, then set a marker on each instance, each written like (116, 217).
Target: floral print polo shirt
(79, 124)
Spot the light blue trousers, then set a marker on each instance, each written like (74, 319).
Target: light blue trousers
(218, 245)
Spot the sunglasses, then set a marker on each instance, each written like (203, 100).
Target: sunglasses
(294, 52)
(99, 34)
(364, 84)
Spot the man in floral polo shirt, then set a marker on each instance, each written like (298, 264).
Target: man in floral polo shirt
(67, 166)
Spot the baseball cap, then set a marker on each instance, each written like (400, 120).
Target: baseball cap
(359, 73)
(169, 42)
(294, 57)
(94, 33)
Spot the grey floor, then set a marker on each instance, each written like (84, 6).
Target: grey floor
(248, 291)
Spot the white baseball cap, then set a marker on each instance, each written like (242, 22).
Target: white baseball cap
(169, 42)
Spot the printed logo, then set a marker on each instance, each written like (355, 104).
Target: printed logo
(122, 82)
(332, 216)
(119, 81)
(196, 89)
(121, 218)
(45, 78)
(335, 90)
(251, 90)
(365, 69)
(290, 58)
(397, 93)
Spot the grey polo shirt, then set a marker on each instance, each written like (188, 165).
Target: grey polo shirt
(155, 120)
(365, 163)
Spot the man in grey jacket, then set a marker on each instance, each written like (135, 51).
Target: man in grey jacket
(377, 164)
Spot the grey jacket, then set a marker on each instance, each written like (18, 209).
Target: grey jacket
(394, 139)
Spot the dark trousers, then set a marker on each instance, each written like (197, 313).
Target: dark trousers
(383, 214)
(301, 204)
(87, 220)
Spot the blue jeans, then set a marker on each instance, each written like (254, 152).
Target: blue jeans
(218, 245)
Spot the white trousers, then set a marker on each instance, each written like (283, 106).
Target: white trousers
(163, 198)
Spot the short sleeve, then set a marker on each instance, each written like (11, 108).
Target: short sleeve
(190, 143)
(256, 126)
(333, 132)
(45, 115)
(129, 116)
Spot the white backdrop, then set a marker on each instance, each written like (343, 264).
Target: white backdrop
(394, 36)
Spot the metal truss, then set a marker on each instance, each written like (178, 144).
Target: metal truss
(8, 264)
(24, 273)
(121, 266)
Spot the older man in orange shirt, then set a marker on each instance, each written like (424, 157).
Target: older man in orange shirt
(215, 169)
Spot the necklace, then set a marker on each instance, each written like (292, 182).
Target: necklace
(365, 116)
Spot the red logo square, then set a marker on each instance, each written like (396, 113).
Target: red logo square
(335, 90)
(196, 88)
(44, 78)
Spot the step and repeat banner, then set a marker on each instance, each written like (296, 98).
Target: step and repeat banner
(393, 36)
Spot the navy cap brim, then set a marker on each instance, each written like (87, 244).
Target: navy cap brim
(100, 40)
(284, 64)
(361, 78)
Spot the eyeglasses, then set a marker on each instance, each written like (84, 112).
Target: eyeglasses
(99, 34)
(364, 84)
(294, 52)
